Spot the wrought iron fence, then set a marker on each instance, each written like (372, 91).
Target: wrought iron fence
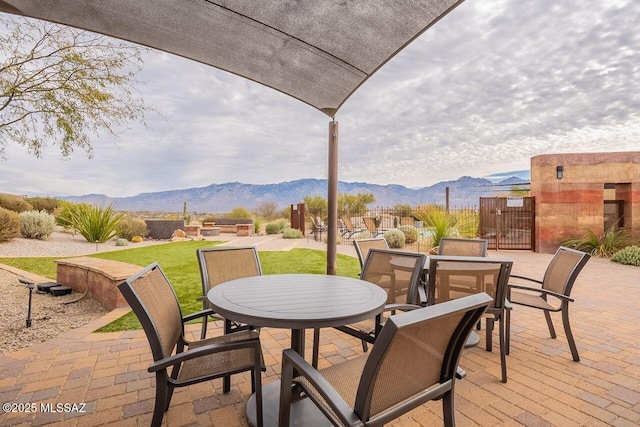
(421, 226)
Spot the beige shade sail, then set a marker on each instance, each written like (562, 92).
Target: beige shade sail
(317, 51)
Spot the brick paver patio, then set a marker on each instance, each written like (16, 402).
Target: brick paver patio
(105, 374)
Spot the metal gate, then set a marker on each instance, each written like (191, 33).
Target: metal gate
(508, 222)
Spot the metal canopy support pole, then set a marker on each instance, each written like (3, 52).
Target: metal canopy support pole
(332, 226)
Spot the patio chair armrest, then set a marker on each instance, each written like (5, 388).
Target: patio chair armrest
(253, 342)
(292, 360)
(541, 291)
(197, 315)
(511, 276)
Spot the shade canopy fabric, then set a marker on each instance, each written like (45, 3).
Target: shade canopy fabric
(318, 51)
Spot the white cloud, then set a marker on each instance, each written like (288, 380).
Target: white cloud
(491, 85)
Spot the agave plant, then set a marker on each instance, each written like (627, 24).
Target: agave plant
(605, 245)
(96, 223)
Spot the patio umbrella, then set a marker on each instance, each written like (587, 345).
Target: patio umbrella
(317, 51)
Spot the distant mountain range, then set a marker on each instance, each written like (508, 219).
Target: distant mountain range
(219, 198)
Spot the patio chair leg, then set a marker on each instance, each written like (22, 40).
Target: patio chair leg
(316, 348)
(567, 331)
(503, 354)
(161, 403)
(552, 331)
(507, 338)
(203, 334)
(489, 333)
(364, 346)
(448, 410)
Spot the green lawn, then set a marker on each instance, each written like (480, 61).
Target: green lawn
(178, 261)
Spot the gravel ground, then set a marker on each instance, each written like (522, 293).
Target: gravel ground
(50, 315)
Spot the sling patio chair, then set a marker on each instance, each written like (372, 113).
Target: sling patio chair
(154, 302)
(364, 245)
(414, 360)
(453, 277)
(553, 293)
(398, 273)
(349, 229)
(370, 223)
(219, 265)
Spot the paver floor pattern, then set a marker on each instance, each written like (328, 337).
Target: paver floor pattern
(108, 372)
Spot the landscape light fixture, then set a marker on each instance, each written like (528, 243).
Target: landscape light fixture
(559, 172)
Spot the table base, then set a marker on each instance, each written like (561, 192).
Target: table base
(303, 412)
(473, 340)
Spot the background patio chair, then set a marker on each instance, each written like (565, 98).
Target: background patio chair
(154, 301)
(370, 223)
(349, 229)
(554, 294)
(455, 277)
(399, 274)
(364, 245)
(414, 360)
(463, 247)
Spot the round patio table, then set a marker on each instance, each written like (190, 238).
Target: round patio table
(296, 302)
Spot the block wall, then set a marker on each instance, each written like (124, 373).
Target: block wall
(575, 203)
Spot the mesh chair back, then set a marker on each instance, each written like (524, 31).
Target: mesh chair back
(415, 351)
(370, 223)
(563, 270)
(398, 273)
(454, 277)
(219, 265)
(363, 246)
(463, 247)
(154, 301)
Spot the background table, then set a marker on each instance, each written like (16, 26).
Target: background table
(296, 302)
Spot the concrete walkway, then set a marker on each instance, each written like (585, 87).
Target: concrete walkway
(105, 374)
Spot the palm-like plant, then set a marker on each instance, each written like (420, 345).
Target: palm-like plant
(605, 245)
(95, 223)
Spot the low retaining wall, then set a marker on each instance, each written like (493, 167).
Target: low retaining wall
(163, 228)
(98, 277)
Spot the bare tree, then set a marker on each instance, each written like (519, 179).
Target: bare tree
(267, 209)
(58, 85)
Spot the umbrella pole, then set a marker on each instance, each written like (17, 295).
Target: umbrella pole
(332, 204)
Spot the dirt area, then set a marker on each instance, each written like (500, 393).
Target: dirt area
(50, 315)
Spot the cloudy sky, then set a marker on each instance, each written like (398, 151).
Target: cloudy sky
(488, 87)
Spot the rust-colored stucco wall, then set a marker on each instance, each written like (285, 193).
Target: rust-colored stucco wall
(574, 203)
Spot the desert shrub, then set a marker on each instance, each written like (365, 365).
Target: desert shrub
(272, 228)
(122, 242)
(364, 234)
(14, 203)
(282, 224)
(37, 224)
(130, 227)
(239, 212)
(136, 239)
(48, 204)
(604, 245)
(338, 240)
(395, 239)
(439, 222)
(95, 223)
(257, 222)
(628, 256)
(9, 224)
(410, 233)
(292, 233)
